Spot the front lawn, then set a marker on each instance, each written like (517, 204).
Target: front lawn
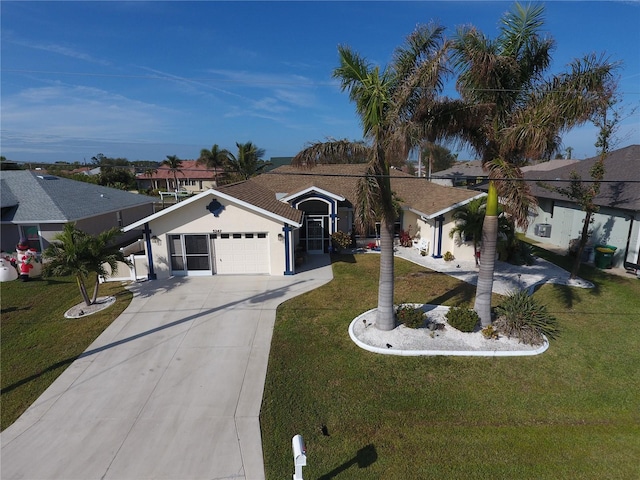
(38, 343)
(569, 413)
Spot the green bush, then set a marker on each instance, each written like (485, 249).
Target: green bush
(462, 318)
(410, 316)
(448, 257)
(522, 316)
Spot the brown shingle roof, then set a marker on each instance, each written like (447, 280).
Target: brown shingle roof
(255, 194)
(414, 193)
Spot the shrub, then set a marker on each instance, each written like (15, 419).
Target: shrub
(522, 316)
(410, 316)
(448, 257)
(462, 318)
(406, 240)
(490, 332)
(340, 240)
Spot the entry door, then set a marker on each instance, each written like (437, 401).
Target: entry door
(315, 235)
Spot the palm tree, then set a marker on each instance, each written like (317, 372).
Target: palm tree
(514, 113)
(385, 101)
(248, 163)
(74, 252)
(150, 172)
(214, 158)
(175, 165)
(469, 219)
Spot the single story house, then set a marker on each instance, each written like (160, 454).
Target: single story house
(462, 174)
(257, 226)
(36, 206)
(558, 220)
(192, 178)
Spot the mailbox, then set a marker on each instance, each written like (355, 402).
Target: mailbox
(299, 456)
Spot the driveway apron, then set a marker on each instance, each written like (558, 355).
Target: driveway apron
(172, 389)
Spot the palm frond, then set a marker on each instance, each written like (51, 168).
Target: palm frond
(332, 151)
(515, 194)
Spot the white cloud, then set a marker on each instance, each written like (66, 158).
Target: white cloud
(62, 50)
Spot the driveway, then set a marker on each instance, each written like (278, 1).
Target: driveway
(171, 390)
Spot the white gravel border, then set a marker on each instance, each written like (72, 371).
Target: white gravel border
(405, 341)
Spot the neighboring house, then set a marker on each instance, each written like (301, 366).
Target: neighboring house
(192, 178)
(462, 174)
(257, 226)
(558, 220)
(36, 206)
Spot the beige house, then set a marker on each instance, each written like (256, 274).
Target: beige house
(257, 226)
(192, 178)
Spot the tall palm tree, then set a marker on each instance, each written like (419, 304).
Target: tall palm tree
(248, 163)
(74, 252)
(175, 166)
(385, 101)
(214, 158)
(514, 113)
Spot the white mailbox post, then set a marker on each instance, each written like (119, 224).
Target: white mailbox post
(299, 456)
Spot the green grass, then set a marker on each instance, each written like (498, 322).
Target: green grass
(38, 343)
(569, 413)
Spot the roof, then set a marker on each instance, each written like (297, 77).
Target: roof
(245, 194)
(550, 165)
(415, 194)
(472, 168)
(190, 169)
(31, 197)
(621, 187)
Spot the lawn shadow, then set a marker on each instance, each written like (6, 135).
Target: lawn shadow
(365, 457)
(343, 258)
(463, 293)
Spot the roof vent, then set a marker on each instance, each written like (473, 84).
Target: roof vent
(280, 195)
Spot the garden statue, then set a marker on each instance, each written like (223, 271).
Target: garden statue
(8, 273)
(32, 256)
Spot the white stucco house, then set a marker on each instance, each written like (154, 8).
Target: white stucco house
(558, 220)
(256, 226)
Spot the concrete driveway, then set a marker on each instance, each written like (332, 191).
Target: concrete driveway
(171, 390)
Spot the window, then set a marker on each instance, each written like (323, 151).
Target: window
(119, 219)
(262, 235)
(31, 233)
(248, 235)
(224, 235)
(237, 235)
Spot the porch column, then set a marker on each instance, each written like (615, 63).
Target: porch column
(147, 236)
(437, 251)
(287, 250)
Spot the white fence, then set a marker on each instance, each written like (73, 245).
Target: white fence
(137, 271)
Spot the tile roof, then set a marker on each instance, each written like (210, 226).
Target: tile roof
(190, 170)
(31, 197)
(622, 177)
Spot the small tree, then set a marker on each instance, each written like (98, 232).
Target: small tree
(585, 193)
(82, 255)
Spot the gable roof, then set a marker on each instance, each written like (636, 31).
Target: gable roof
(30, 197)
(471, 168)
(244, 194)
(621, 187)
(415, 194)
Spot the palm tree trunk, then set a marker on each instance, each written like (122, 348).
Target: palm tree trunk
(386, 315)
(484, 288)
(83, 290)
(95, 290)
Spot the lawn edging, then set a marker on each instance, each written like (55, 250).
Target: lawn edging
(458, 353)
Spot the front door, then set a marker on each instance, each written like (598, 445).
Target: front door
(315, 235)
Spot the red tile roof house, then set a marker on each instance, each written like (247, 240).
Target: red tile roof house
(255, 226)
(192, 178)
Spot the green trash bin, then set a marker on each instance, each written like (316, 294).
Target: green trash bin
(604, 256)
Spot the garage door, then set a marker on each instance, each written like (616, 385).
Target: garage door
(241, 253)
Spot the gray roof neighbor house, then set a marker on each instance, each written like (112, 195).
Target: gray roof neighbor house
(36, 206)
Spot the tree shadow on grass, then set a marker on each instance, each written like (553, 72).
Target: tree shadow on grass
(462, 293)
(365, 457)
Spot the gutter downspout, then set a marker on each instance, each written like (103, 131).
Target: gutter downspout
(147, 236)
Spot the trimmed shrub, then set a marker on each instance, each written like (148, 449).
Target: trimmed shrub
(410, 316)
(448, 257)
(462, 318)
(523, 317)
(340, 240)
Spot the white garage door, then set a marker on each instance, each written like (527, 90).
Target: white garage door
(241, 253)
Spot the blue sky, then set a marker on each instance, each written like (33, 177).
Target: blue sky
(144, 80)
